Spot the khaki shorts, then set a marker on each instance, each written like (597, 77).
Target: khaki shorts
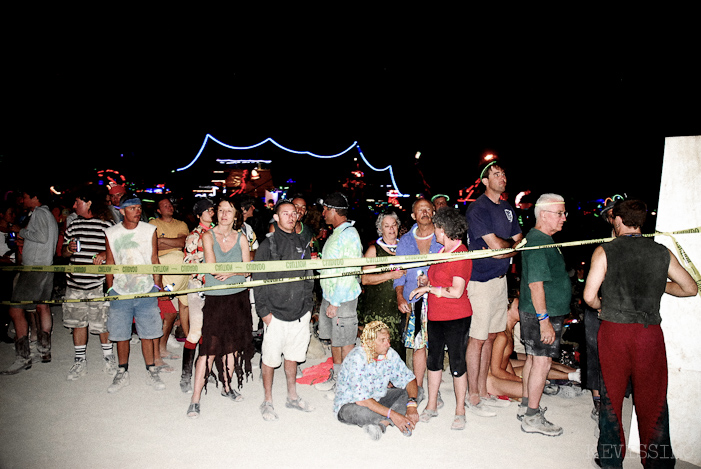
(90, 314)
(180, 280)
(490, 302)
(342, 329)
(288, 338)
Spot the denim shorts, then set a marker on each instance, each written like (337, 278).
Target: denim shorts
(143, 311)
(530, 335)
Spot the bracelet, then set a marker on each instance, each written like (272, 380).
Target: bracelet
(440, 292)
(389, 411)
(412, 404)
(159, 288)
(543, 317)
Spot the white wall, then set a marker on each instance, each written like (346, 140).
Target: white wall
(679, 209)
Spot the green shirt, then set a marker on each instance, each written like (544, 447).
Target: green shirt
(547, 266)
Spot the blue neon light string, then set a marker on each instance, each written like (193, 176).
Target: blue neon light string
(232, 147)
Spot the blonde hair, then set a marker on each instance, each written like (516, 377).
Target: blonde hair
(369, 335)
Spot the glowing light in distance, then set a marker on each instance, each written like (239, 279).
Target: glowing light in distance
(208, 137)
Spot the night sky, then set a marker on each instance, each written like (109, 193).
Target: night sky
(585, 121)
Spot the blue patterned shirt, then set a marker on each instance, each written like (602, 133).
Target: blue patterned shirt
(360, 380)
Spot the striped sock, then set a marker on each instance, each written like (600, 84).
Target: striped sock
(80, 351)
(107, 349)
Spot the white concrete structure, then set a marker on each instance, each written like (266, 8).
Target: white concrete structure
(680, 209)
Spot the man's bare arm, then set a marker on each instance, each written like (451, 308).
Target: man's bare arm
(495, 242)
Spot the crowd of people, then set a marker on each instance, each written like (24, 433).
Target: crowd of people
(387, 330)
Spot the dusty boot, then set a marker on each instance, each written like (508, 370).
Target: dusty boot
(24, 357)
(44, 346)
(186, 375)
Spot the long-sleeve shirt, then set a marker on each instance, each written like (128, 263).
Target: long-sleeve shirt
(344, 243)
(40, 238)
(285, 301)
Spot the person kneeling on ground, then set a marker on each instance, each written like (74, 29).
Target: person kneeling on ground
(363, 397)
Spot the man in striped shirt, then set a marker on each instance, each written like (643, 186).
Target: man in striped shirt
(86, 246)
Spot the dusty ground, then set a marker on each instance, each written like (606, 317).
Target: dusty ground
(51, 422)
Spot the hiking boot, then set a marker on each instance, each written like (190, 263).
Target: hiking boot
(23, 360)
(521, 412)
(538, 424)
(154, 379)
(79, 368)
(327, 385)
(121, 379)
(44, 346)
(109, 364)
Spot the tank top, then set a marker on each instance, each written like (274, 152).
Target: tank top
(636, 277)
(233, 255)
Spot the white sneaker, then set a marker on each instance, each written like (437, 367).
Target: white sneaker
(173, 343)
(121, 379)
(480, 409)
(110, 364)
(79, 368)
(154, 379)
(327, 385)
(493, 401)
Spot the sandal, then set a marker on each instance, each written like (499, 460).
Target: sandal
(168, 355)
(165, 368)
(427, 415)
(233, 395)
(458, 423)
(194, 410)
(267, 411)
(299, 404)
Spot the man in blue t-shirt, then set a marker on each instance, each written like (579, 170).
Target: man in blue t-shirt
(492, 224)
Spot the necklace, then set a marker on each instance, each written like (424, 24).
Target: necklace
(421, 238)
(227, 236)
(390, 247)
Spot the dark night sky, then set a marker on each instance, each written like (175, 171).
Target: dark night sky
(586, 121)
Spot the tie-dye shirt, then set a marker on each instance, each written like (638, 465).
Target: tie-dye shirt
(344, 243)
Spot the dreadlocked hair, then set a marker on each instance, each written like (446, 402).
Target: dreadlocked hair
(367, 338)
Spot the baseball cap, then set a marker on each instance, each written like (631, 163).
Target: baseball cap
(336, 200)
(202, 206)
(117, 189)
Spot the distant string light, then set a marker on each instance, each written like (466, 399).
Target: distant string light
(297, 152)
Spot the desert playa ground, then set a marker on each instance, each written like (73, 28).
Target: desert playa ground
(50, 422)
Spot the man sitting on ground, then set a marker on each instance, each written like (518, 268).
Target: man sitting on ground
(363, 395)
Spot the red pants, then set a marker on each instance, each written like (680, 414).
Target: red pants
(633, 352)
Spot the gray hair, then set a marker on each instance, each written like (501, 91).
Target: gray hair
(545, 200)
(381, 219)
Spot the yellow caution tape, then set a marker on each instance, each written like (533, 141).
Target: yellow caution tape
(393, 262)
